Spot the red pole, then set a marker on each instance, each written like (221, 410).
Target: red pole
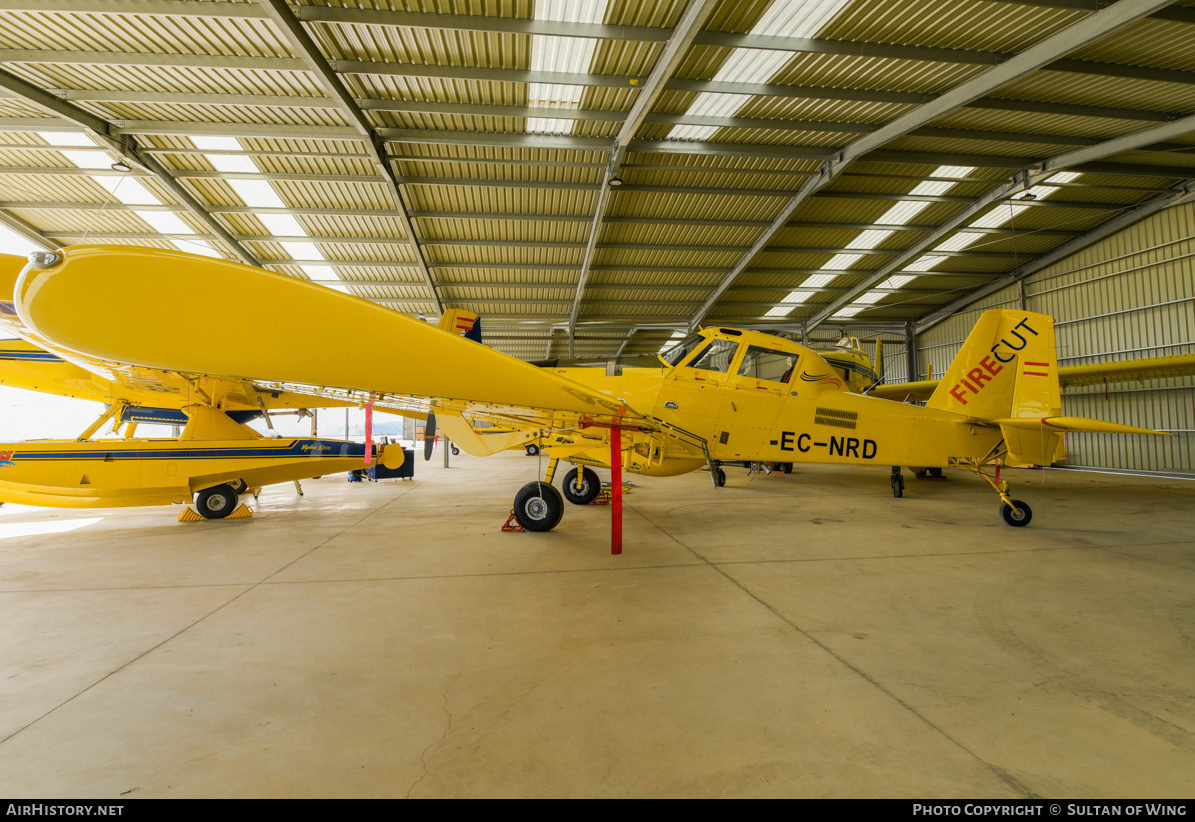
(615, 490)
(369, 430)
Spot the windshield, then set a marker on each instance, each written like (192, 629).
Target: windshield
(682, 349)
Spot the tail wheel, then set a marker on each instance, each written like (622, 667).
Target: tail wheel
(456, 452)
(538, 507)
(591, 486)
(216, 503)
(788, 467)
(239, 486)
(1007, 514)
(532, 450)
(898, 486)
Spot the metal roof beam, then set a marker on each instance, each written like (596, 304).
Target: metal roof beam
(123, 146)
(1019, 183)
(599, 115)
(1181, 194)
(18, 226)
(689, 25)
(1047, 51)
(496, 75)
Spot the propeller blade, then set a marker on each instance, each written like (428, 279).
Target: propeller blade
(429, 437)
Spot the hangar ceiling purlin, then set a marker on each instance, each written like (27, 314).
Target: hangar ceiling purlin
(596, 175)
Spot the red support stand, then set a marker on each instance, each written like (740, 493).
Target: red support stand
(615, 490)
(368, 431)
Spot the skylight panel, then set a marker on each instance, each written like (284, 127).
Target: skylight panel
(282, 225)
(849, 310)
(957, 242)
(303, 251)
(870, 297)
(793, 297)
(67, 138)
(128, 190)
(840, 262)
(924, 263)
(898, 281)
(819, 280)
(671, 341)
(784, 18)
(571, 55)
(870, 239)
(164, 222)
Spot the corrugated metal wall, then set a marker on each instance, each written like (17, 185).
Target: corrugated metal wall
(1129, 296)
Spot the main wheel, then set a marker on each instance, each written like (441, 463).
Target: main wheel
(239, 486)
(591, 486)
(1012, 519)
(532, 449)
(216, 503)
(788, 467)
(538, 506)
(719, 477)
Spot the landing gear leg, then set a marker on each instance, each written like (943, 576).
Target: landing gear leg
(898, 482)
(1014, 512)
(716, 473)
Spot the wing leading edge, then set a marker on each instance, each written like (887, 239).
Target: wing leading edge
(192, 315)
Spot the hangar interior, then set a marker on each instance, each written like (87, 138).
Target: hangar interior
(597, 179)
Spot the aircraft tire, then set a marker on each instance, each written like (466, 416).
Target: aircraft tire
(456, 452)
(788, 467)
(591, 486)
(720, 477)
(239, 486)
(898, 486)
(538, 507)
(1010, 518)
(216, 503)
(532, 450)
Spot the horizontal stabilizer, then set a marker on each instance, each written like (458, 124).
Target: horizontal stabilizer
(458, 429)
(1078, 424)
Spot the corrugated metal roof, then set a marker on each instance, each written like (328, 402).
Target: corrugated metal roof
(503, 217)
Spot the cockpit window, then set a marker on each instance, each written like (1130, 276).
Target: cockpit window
(767, 364)
(716, 357)
(682, 349)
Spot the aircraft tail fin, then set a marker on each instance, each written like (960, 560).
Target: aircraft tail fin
(458, 321)
(1006, 369)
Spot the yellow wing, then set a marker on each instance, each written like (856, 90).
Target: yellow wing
(52, 370)
(192, 317)
(1151, 368)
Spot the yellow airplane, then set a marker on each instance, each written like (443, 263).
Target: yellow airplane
(722, 395)
(215, 458)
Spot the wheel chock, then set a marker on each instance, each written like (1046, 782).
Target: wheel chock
(512, 525)
(603, 497)
(189, 514)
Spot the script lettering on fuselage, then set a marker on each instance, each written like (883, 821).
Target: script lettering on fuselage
(987, 368)
(836, 446)
(6, 457)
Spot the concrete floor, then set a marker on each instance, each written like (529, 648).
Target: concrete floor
(803, 635)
